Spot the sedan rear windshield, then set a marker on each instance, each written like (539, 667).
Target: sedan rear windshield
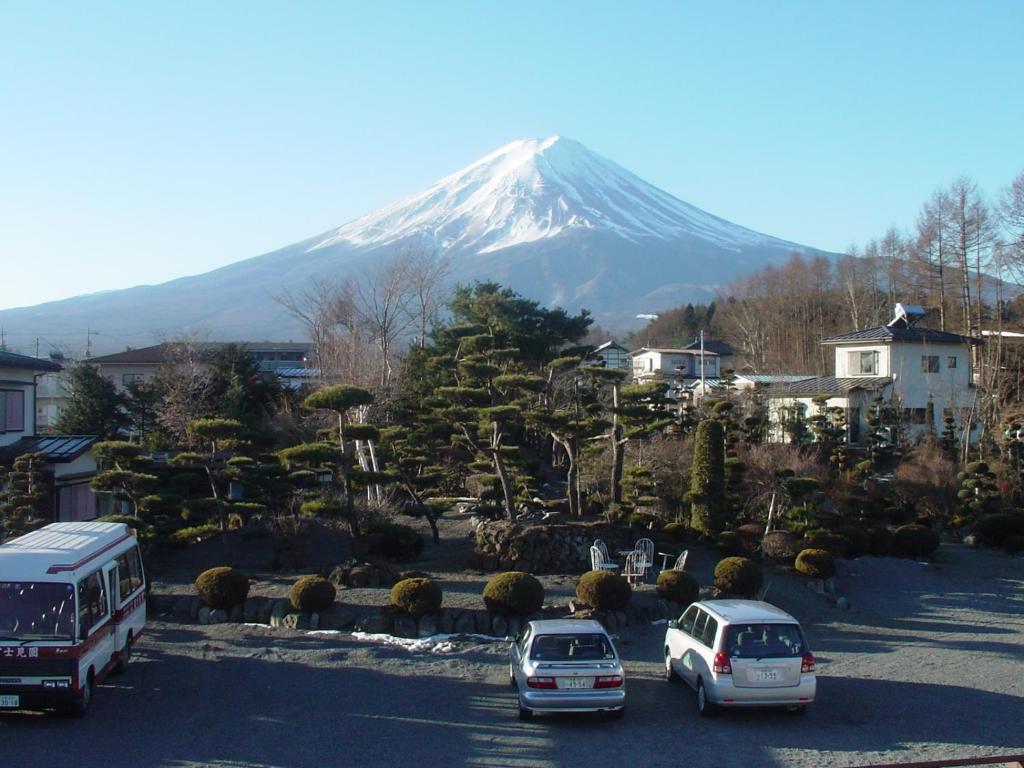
(583, 647)
(31, 610)
(764, 641)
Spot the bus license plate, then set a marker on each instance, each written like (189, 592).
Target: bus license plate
(10, 701)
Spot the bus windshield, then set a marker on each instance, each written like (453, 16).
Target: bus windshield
(32, 610)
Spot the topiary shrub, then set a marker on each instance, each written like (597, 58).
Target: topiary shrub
(223, 587)
(992, 530)
(738, 576)
(312, 593)
(678, 586)
(879, 540)
(514, 594)
(193, 534)
(392, 541)
(604, 590)
(750, 535)
(416, 596)
(728, 543)
(856, 540)
(782, 546)
(816, 563)
(142, 529)
(676, 531)
(915, 541)
(830, 542)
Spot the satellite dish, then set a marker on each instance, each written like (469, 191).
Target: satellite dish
(907, 315)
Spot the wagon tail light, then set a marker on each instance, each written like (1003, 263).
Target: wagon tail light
(608, 681)
(541, 682)
(807, 663)
(721, 665)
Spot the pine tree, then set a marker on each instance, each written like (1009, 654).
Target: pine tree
(25, 500)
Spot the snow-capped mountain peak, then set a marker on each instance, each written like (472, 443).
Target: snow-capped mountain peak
(533, 189)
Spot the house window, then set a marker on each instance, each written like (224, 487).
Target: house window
(132, 378)
(863, 363)
(929, 363)
(951, 361)
(12, 411)
(914, 415)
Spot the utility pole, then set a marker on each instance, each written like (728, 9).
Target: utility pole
(89, 333)
(702, 390)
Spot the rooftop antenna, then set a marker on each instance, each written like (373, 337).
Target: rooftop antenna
(89, 333)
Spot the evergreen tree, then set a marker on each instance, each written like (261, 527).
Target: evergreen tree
(119, 476)
(707, 478)
(94, 406)
(25, 500)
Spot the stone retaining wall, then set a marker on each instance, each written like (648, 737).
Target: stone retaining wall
(541, 549)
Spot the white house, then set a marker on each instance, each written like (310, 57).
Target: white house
(664, 363)
(914, 369)
(69, 462)
(611, 354)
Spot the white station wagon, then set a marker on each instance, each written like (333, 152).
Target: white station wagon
(740, 653)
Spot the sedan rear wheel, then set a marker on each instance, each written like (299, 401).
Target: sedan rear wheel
(512, 677)
(524, 713)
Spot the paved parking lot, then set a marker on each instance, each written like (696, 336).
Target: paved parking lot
(943, 680)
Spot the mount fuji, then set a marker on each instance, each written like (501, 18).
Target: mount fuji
(548, 217)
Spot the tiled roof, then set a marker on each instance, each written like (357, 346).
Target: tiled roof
(828, 385)
(12, 360)
(773, 378)
(713, 345)
(159, 353)
(612, 344)
(914, 335)
(59, 449)
(674, 351)
(297, 373)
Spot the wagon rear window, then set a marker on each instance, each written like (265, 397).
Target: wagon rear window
(764, 641)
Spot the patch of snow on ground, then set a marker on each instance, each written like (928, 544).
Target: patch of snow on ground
(443, 643)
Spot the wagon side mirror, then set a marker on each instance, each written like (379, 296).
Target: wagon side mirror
(673, 624)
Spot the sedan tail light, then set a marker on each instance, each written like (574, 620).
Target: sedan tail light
(608, 681)
(721, 664)
(541, 682)
(807, 664)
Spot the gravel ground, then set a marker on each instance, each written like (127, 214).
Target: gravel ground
(928, 664)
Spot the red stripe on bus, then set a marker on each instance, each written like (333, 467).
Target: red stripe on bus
(75, 566)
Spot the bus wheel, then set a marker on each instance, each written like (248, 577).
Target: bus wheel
(81, 703)
(126, 656)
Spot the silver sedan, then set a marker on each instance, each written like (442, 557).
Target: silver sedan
(566, 665)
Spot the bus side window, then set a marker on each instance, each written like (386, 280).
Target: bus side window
(129, 568)
(92, 603)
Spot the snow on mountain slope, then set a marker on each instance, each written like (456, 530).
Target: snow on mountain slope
(534, 189)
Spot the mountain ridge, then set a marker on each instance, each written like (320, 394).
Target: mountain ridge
(547, 217)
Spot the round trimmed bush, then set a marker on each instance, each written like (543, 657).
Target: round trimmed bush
(993, 530)
(312, 593)
(780, 545)
(223, 587)
(915, 541)
(750, 535)
(678, 586)
(416, 596)
(676, 531)
(856, 541)
(830, 542)
(514, 594)
(604, 590)
(879, 540)
(738, 576)
(728, 543)
(392, 541)
(816, 563)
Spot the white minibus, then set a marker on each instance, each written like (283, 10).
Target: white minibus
(72, 603)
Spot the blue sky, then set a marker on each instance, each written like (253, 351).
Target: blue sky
(140, 142)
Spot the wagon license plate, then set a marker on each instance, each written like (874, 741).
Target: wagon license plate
(10, 701)
(575, 683)
(766, 675)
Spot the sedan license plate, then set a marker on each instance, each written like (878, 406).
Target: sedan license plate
(575, 683)
(10, 701)
(765, 675)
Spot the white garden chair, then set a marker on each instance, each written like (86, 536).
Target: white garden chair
(599, 543)
(681, 561)
(598, 562)
(646, 548)
(635, 569)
